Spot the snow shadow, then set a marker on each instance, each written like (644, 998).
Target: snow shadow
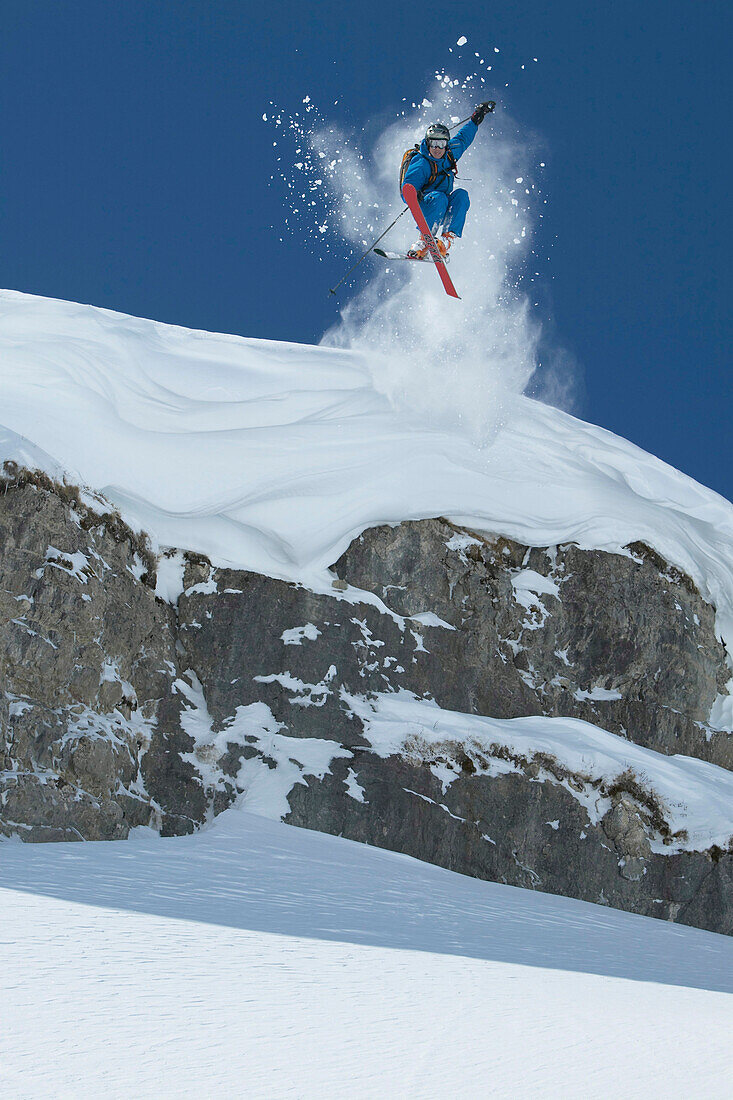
(251, 873)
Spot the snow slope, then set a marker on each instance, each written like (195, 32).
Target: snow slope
(272, 456)
(261, 960)
(253, 958)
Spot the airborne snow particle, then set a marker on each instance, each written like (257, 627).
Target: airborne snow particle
(462, 40)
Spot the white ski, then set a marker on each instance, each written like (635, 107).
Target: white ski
(403, 256)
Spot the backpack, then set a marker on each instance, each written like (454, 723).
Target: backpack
(407, 160)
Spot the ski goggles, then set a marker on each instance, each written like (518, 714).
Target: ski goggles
(437, 143)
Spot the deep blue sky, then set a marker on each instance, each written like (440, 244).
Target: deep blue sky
(135, 173)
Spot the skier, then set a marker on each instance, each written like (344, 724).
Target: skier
(431, 169)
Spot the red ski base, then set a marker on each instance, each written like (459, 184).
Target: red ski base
(410, 196)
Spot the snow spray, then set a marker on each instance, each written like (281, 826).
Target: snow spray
(455, 365)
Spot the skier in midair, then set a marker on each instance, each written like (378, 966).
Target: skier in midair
(431, 170)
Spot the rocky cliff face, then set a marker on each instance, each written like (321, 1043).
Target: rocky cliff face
(117, 709)
(87, 664)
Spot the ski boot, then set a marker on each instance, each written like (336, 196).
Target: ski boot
(445, 241)
(419, 250)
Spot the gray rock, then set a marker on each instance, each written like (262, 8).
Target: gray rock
(43, 807)
(625, 827)
(87, 662)
(117, 710)
(630, 627)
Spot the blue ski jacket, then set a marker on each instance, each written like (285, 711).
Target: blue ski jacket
(418, 171)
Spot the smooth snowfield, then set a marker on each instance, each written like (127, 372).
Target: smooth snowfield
(261, 960)
(272, 456)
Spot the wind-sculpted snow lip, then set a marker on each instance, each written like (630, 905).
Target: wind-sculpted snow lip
(272, 457)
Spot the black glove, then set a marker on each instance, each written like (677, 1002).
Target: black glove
(482, 111)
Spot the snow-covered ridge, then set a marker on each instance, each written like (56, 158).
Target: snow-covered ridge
(690, 799)
(273, 457)
(694, 797)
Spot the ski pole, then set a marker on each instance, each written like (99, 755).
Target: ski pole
(371, 246)
(490, 111)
